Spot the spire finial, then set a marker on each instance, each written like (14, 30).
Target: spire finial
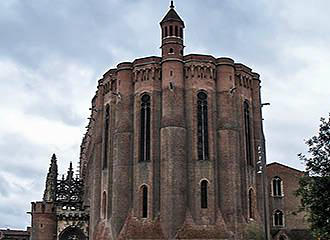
(172, 4)
(51, 180)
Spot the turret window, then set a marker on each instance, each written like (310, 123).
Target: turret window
(106, 136)
(204, 187)
(247, 126)
(181, 32)
(171, 30)
(166, 31)
(145, 129)
(171, 51)
(202, 127)
(176, 31)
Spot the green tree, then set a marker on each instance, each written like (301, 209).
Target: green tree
(314, 188)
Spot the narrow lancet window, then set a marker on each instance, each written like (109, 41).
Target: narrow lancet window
(145, 128)
(248, 145)
(204, 184)
(144, 201)
(104, 205)
(202, 127)
(106, 136)
(251, 213)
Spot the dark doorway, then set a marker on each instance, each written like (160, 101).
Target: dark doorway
(72, 233)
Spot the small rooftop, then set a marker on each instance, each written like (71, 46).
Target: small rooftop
(282, 165)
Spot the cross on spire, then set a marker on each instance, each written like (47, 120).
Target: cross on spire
(172, 4)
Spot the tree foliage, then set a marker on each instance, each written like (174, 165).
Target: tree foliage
(314, 188)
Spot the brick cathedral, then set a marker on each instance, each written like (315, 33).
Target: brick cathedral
(174, 149)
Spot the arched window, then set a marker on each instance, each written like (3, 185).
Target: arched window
(176, 31)
(106, 136)
(181, 32)
(277, 187)
(144, 189)
(104, 205)
(278, 218)
(251, 203)
(171, 50)
(204, 184)
(145, 128)
(171, 30)
(247, 128)
(202, 127)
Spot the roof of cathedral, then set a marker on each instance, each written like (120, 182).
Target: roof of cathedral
(172, 15)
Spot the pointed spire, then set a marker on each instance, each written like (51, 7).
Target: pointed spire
(70, 172)
(51, 181)
(172, 15)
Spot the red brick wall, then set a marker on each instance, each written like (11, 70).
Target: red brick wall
(288, 203)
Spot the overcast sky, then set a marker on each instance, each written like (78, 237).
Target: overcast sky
(52, 52)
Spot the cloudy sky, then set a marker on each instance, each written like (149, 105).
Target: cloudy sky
(52, 52)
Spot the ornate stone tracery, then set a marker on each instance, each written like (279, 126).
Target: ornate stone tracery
(62, 211)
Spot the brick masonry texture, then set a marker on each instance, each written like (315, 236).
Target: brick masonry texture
(295, 225)
(174, 173)
(114, 175)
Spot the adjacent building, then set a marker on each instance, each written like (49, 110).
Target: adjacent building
(11, 234)
(286, 222)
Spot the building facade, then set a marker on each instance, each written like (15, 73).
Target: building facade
(171, 149)
(174, 149)
(286, 222)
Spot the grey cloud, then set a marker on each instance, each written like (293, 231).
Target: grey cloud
(3, 187)
(10, 214)
(29, 163)
(18, 156)
(80, 30)
(54, 111)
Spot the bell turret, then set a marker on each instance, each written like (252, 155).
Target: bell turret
(172, 34)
